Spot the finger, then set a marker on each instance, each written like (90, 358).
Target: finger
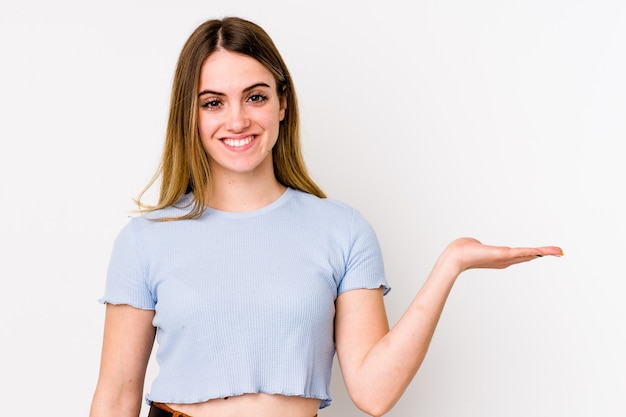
(511, 256)
(534, 252)
(548, 251)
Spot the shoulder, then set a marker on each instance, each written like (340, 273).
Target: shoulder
(157, 220)
(331, 212)
(182, 207)
(326, 205)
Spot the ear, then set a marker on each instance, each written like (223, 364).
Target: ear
(283, 104)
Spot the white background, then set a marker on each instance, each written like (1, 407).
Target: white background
(501, 120)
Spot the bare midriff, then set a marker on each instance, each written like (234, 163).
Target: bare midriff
(253, 405)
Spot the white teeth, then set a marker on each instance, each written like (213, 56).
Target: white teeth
(235, 143)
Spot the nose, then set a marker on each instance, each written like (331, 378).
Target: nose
(237, 118)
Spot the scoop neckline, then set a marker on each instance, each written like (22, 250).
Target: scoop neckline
(286, 195)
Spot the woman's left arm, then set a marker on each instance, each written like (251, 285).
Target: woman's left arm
(378, 363)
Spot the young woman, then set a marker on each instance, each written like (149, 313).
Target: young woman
(247, 275)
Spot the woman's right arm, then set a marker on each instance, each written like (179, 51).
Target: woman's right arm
(126, 347)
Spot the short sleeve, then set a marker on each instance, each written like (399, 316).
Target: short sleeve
(127, 274)
(364, 266)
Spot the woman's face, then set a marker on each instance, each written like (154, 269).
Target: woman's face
(239, 114)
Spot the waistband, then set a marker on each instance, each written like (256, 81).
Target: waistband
(162, 410)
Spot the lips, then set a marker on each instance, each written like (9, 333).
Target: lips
(238, 143)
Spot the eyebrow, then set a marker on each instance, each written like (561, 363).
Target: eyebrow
(245, 90)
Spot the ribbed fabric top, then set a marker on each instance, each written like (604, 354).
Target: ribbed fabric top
(244, 302)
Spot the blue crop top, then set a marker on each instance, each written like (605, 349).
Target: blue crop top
(244, 302)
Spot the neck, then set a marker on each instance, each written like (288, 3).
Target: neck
(245, 192)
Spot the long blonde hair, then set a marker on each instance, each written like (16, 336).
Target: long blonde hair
(184, 165)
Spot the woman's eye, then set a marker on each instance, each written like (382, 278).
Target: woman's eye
(211, 104)
(257, 98)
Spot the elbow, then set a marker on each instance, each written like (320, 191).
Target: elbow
(374, 410)
(374, 405)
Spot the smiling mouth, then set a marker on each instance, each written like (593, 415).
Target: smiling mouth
(238, 143)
